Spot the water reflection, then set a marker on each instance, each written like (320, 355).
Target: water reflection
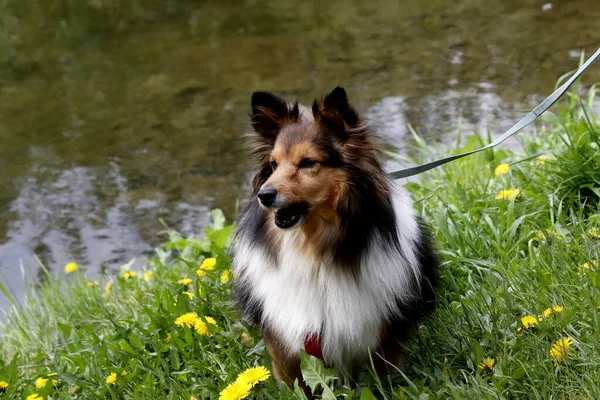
(117, 115)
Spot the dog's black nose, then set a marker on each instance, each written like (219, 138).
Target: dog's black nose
(267, 196)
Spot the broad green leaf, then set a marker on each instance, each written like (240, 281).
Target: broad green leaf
(218, 219)
(298, 391)
(285, 393)
(315, 374)
(65, 329)
(366, 394)
(219, 237)
(126, 267)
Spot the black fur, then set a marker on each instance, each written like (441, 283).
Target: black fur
(250, 307)
(366, 215)
(400, 326)
(335, 113)
(268, 124)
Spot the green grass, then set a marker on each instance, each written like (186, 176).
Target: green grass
(501, 260)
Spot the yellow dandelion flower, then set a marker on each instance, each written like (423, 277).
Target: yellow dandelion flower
(124, 373)
(93, 283)
(225, 276)
(34, 396)
(245, 338)
(509, 194)
(187, 320)
(235, 391)
(255, 375)
(148, 275)
(593, 234)
(189, 294)
(501, 169)
(487, 364)
(200, 273)
(529, 321)
(588, 267)
(208, 264)
(549, 312)
(543, 158)
(129, 274)
(560, 349)
(71, 267)
(111, 379)
(591, 265)
(185, 281)
(549, 232)
(107, 287)
(201, 327)
(193, 398)
(168, 339)
(3, 386)
(40, 383)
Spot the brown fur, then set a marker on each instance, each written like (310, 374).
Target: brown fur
(285, 368)
(321, 186)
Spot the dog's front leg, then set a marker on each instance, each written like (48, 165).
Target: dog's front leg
(286, 368)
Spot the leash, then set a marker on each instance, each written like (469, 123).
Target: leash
(525, 121)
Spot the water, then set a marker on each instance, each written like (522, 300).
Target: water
(117, 115)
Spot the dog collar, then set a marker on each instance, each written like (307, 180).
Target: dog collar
(312, 345)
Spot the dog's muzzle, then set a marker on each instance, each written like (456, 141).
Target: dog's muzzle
(290, 216)
(286, 215)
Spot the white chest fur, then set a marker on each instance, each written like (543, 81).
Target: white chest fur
(302, 296)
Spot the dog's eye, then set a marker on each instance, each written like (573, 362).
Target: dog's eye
(273, 165)
(306, 163)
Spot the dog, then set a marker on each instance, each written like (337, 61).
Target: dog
(328, 255)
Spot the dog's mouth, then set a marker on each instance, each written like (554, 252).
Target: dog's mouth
(291, 216)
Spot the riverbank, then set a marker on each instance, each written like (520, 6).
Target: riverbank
(518, 313)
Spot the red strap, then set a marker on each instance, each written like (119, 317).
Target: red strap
(312, 345)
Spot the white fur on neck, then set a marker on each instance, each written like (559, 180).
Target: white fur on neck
(301, 295)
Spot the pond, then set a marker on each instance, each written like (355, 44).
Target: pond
(118, 118)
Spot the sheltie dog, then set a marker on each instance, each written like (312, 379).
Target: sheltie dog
(329, 255)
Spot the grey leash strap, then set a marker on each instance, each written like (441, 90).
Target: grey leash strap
(525, 121)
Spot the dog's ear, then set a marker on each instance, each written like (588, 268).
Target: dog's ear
(334, 113)
(270, 113)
